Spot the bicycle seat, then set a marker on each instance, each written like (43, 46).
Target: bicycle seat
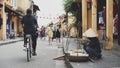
(28, 35)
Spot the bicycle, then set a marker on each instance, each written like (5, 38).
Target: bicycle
(29, 47)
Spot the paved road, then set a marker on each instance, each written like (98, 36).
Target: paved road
(13, 56)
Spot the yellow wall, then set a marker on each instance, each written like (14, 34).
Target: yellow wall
(20, 4)
(8, 2)
(23, 5)
(3, 29)
(89, 17)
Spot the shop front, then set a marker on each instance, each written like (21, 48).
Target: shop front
(101, 15)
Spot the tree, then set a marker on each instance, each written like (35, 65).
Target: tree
(67, 4)
(76, 9)
(73, 7)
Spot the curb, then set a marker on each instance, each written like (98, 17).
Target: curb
(5, 43)
(66, 60)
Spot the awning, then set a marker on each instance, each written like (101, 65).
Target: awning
(8, 9)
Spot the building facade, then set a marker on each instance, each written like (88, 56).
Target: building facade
(11, 13)
(90, 17)
(97, 13)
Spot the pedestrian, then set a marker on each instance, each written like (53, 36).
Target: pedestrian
(54, 32)
(50, 34)
(30, 27)
(58, 34)
(42, 32)
(12, 34)
(92, 47)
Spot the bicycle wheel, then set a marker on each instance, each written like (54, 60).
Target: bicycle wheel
(28, 55)
(30, 47)
(29, 50)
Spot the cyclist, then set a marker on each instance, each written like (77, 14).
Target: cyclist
(30, 27)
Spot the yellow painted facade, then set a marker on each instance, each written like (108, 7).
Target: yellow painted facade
(8, 2)
(3, 29)
(89, 19)
(15, 21)
(23, 5)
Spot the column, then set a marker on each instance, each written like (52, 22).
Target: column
(84, 15)
(109, 24)
(94, 15)
(119, 23)
(4, 23)
(3, 28)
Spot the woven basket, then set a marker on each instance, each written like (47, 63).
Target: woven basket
(77, 58)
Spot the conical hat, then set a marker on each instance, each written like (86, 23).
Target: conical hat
(90, 33)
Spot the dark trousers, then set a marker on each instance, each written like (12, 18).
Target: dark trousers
(92, 52)
(34, 41)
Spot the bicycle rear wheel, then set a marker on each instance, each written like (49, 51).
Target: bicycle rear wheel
(28, 55)
(30, 47)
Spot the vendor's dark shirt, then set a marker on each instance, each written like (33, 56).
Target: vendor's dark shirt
(95, 44)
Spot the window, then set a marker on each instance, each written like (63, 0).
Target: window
(13, 2)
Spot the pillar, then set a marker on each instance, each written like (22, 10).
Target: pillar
(84, 15)
(109, 24)
(94, 15)
(119, 22)
(3, 29)
(4, 23)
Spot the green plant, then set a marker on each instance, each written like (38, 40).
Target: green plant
(75, 8)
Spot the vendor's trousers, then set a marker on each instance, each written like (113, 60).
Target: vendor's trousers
(92, 53)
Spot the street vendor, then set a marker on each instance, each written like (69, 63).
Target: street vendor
(92, 46)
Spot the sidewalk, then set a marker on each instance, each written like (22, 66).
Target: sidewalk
(110, 58)
(8, 41)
